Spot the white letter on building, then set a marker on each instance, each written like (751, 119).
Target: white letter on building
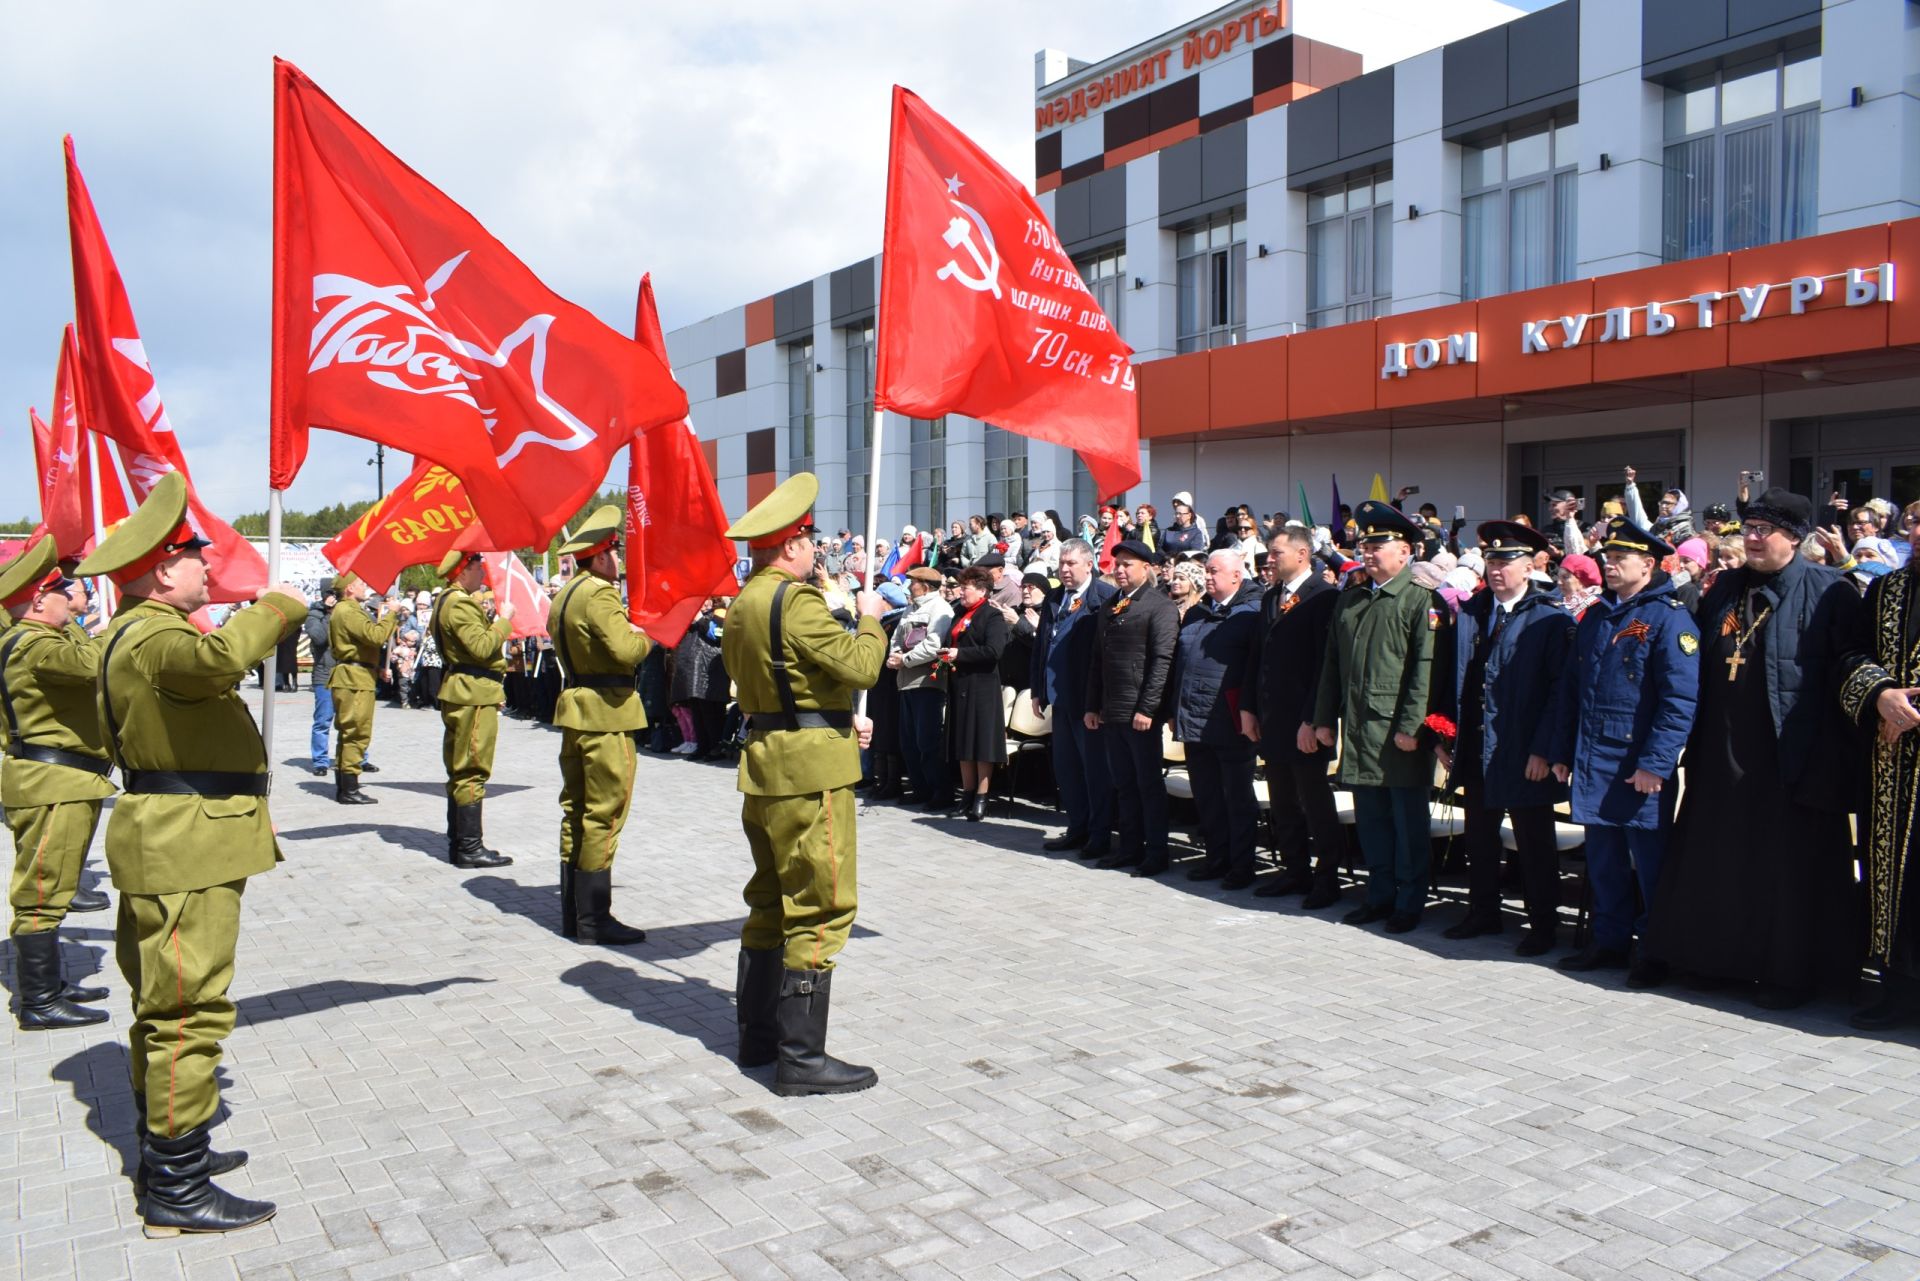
(1394, 365)
(1804, 290)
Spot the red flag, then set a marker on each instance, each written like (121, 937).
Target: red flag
(417, 523)
(511, 580)
(1018, 343)
(397, 318)
(117, 396)
(675, 564)
(1111, 540)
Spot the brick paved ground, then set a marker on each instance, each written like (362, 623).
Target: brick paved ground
(1082, 1075)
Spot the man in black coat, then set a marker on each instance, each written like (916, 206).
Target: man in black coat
(1126, 702)
(1277, 707)
(1062, 656)
(1498, 671)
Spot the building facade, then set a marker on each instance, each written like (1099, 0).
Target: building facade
(1669, 234)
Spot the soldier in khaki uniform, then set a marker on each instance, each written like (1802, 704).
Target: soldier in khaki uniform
(598, 714)
(473, 655)
(189, 829)
(55, 779)
(797, 669)
(356, 643)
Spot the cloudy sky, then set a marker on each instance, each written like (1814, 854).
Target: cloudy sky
(730, 149)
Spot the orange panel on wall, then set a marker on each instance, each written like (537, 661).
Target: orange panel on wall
(1903, 318)
(1332, 371)
(1827, 325)
(760, 321)
(1687, 346)
(1249, 384)
(1506, 367)
(1443, 381)
(760, 484)
(1175, 398)
(710, 450)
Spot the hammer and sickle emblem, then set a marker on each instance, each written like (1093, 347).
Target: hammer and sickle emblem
(960, 232)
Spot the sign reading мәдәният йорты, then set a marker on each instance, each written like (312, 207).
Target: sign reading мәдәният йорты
(1197, 48)
(1864, 286)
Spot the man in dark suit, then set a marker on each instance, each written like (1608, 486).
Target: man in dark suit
(1127, 683)
(1062, 651)
(1276, 707)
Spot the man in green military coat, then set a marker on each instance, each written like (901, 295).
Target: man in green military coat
(598, 714)
(473, 655)
(796, 669)
(55, 779)
(188, 830)
(356, 643)
(1373, 686)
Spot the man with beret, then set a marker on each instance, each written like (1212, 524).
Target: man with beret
(1374, 681)
(1759, 886)
(188, 830)
(598, 714)
(1501, 662)
(1057, 677)
(473, 656)
(796, 669)
(1622, 715)
(355, 640)
(1128, 682)
(55, 779)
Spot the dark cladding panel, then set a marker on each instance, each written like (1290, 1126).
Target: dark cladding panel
(1313, 134)
(1180, 176)
(730, 373)
(1223, 162)
(1175, 104)
(1543, 53)
(1366, 113)
(1107, 204)
(1473, 76)
(760, 451)
(1046, 154)
(1273, 65)
(1071, 206)
(793, 313)
(1752, 15)
(1669, 28)
(1128, 122)
(1229, 114)
(852, 292)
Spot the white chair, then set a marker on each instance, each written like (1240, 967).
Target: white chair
(1026, 732)
(1566, 836)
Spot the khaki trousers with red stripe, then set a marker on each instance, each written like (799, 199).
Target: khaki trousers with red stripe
(176, 951)
(466, 747)
(596, 792)
(804, 890)
(50, 845)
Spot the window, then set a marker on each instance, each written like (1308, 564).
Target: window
(799, 407)
(1085, 501)
(1006, 470)
(1350, 252)
(859, 422)
(1106, 277)
(927, 477)
(1212, 264)
(1742, 157)
(1517, 210)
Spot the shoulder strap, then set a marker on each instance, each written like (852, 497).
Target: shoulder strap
(777, 650)
(6, 695)
(109, 720)
(557, 633)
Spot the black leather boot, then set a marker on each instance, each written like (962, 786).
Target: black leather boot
(593, 911)
(217, 1162)
(85, 900)
(43, 1005)
(977, 808)
(569, 917)
(180, 1195)
(346, 790)
(756, 1000)
(805, 1065)
(469, 849)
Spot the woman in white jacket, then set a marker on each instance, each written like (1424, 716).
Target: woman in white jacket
(916, 642)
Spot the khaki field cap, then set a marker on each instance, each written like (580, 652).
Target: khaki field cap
(156, 531)
(785, 512)
(596, 533)
(30, 573)
(454, 561)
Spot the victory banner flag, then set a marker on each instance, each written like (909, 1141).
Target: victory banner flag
(675, 563)
(117, 396)
(983, 314)
(59, 469)
(510, 580)
(417, 523)
(399, 319)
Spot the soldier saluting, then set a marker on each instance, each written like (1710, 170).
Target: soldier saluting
(796, 669)
(189, 829)
(55, 778)
(598, 712)
(473, 654)
(355, 641)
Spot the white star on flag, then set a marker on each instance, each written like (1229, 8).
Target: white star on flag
(954, 184)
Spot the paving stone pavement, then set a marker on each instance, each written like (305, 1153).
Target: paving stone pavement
(1082, 1075)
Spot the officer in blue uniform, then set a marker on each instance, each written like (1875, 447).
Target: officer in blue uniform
(1625, 708)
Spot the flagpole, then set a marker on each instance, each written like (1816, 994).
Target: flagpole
(271, 673)
(109, 598)
(873, 511)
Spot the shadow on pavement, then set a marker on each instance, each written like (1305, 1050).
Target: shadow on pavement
(406, 837)
(331, 993)
(690, 1007)
(375, 782)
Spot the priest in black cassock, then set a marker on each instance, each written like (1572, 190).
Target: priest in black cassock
(1759, 883)
(1882, 693)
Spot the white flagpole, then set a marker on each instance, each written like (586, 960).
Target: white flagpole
(271, 673)
(873, 512)
(109, 595)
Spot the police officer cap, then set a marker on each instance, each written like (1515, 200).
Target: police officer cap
(455, 561)
(30, 573)
(1135, 548)
(596, 533)
(159, 529)
(1380, 521)
(1509, 539)
(785, 512)
(1625, 536)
